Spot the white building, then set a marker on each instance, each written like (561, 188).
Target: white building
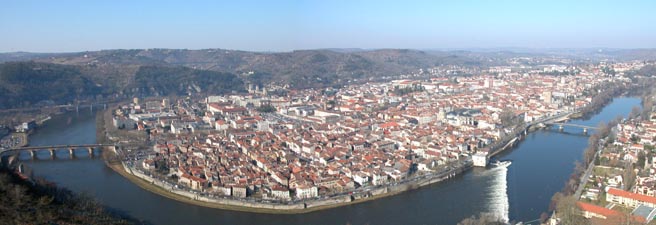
(304, 191)
(480, 159)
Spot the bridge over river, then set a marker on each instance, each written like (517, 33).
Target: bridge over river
(13, 152)
(561, 126)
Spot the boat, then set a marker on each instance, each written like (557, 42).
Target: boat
(501, 163)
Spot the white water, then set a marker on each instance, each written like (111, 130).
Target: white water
(499, 205)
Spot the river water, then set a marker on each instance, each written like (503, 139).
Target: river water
(541, 165)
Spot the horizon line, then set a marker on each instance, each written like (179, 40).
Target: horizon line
(473, 49)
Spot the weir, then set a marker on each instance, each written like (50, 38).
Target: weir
(499, 203)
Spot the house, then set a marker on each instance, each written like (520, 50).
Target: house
(629, 199)
(306, 191)
(239, 191)
(195, 183)
(123, 122)
(148, 164)
(280, 192)
(601, 215)
(594, 211)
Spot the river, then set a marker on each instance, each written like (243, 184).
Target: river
(541, 165)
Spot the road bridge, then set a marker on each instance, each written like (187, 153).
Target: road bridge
(561, 126)
(53, 148)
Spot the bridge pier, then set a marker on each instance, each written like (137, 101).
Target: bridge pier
(71, 151)
(52, 152)
(560, 128)
(90, 152)
(585, 130)
(32, 154)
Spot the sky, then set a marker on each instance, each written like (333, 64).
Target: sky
(285, 25)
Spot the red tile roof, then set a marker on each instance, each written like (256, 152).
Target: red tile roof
(626, 194)
(597, 209)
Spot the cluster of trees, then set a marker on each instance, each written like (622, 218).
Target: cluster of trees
(609, 71)
(162, 80)
(406, 90)
(509, 118)
(266, 108)
(481, 219)
(603, 94)
(565, 72)
(41, 203)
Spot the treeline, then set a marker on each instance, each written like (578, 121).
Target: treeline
(25, 202)
(24, 84)
(603, 94)
(161, 80)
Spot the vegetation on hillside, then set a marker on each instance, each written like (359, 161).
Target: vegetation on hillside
(24, 202)
(23, 84)
(159, 80)
(35, 84)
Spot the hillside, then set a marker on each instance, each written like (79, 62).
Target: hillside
(40, 203)
(159, 80)
(34, 84)
(28, 83)
(115, 74)
(305, 68)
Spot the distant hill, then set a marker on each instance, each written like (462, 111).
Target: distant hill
(304, 68)
(63, 77)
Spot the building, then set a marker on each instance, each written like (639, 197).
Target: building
(123, 122)
(594, 211)
(239, 192)
(629, 199)
(304, 191)
(26, 126)
(480, 159)
(280, 192)
(195, 183)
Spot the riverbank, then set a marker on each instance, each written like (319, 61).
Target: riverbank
(271, 208)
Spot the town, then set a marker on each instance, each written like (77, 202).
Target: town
(274, 145)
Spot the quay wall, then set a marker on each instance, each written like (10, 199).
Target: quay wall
(301, 206)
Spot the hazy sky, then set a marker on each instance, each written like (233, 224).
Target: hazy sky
(67, 25)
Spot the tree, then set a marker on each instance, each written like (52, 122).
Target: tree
(481, 219)
(641, 160)
(635, 112)
(567, 210)
(266, 108)
(507, 117)
(629, 176)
